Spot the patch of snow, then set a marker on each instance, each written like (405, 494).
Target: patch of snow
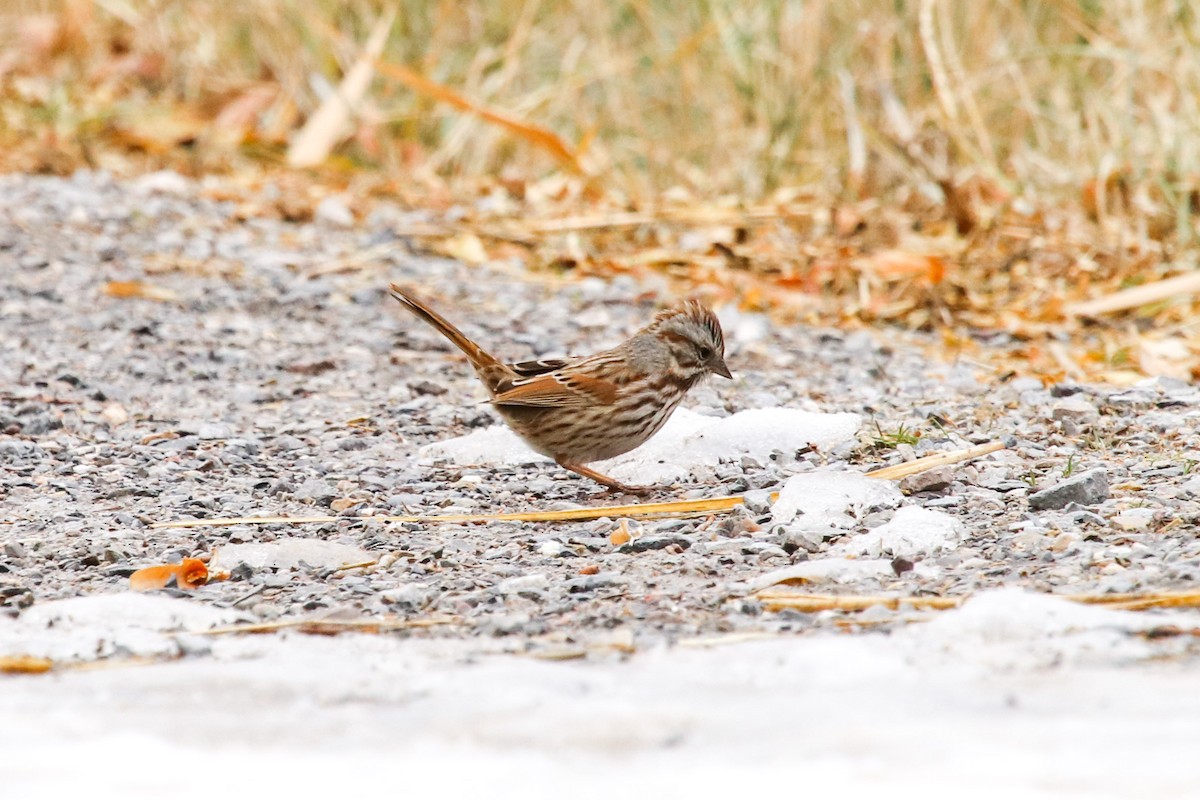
(824, 570)
(1013, 628)
(289, 553)
(688, 440)
(494, 445)
(825, 502)
(755, 432)
(125, 623)
(912, 532)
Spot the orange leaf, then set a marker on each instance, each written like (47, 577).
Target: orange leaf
(534, 134)
(125, 289)
(188, 574)
(192, 573)
(148, 579)
(894, 264)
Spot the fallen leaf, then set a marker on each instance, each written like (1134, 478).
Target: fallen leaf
(190, 573)
(343, 503)
(895, 264)
(138, 289)
(466, 247)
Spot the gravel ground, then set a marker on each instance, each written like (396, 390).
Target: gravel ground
(282, 380)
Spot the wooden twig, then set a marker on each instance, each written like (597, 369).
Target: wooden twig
(898, 471)
(1179, 287)
(640, 511)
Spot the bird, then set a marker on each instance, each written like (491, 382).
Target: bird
(585, 409)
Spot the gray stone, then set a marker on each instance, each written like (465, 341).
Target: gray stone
(523, 584)
(411, 596)
(590, 583)
(1086, 489)
(1076, 409)
(656, 542)
(931, 480)
(757, 501)
(19, 449)
(286, 443)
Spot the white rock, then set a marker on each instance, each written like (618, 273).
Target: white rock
(1075, 408)
(551, 548)
(1134, 519)
(523, 583)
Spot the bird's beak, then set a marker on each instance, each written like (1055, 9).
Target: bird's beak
(720, 369)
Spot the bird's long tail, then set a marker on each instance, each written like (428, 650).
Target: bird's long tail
(488, 366)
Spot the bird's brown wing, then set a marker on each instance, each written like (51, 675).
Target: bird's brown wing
(528, 369)
(558, 390)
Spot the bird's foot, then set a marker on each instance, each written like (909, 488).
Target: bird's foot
(612, 484)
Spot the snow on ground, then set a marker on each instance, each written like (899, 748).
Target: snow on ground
(825, 502)
(912, 532)
(1014, 694)
(292, 552)
(689, 441)
(106, 625)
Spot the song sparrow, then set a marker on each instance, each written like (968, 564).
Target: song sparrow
(580, 410)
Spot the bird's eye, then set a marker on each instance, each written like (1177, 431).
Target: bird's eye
(705, 352)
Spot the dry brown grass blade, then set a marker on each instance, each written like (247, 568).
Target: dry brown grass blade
(898, 471)
(1179, 287)
(676, 508)
(636, 511)
(140, 290)
(334, 626)
(690, 215)
(1140, 602)
(331, 122)
(778, 599)
(536, 135)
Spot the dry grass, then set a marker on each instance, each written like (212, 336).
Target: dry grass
(738, 97)
(942, 165)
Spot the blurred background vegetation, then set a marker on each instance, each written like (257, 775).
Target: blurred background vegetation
(1016, 172)
(711, 96)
